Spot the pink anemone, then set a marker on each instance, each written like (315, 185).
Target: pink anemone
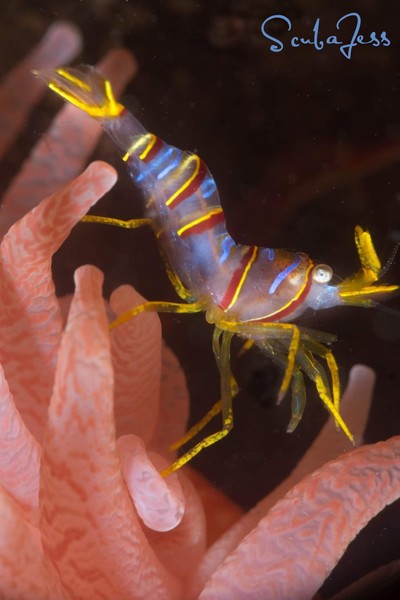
(86, 418)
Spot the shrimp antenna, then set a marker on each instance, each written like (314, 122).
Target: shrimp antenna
(390, 260)
(388, 310)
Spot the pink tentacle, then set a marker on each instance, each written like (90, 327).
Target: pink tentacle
(174, 405)
(19, 457)
(182, 549)
(89, 527)
(62, 152)
(159, 502)
(299, 542)
(19, 91)
(24, 571)
(355, 406)
(136, 350)
(30, 321)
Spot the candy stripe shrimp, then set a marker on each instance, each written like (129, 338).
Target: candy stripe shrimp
(253, 292)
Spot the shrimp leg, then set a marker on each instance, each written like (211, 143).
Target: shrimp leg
(167, 307)
(298, 349)
(129, 224)
(216, 408)
(223, 361)
(251, 329)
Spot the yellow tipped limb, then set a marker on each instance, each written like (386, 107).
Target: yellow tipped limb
(246, 346)
(358, 288)
(333, 369)
(197, 427)
(226, 408)
(324, 395)
(168, 307)
(193, 431)
(291, 359)
(85, 88)
(129, 224)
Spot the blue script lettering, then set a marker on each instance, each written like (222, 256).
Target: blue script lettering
(346, 47)
(332, 39)
(318, 44)
(278, 46)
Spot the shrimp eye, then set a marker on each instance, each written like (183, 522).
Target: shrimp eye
(322, 273)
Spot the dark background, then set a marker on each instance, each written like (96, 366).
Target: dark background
(303, 144)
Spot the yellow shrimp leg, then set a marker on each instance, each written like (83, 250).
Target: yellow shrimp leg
(216, 408)
(248, 344)
(255, 328)
(216, 344)
(193, 431)
(309, 365)
(317, 348)
(168, 307)
(129, 224)
(135, 224)
(298, 400)
(313, 369)
(226, 403)
(334, 371)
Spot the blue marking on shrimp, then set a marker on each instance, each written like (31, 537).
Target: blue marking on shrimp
(270, 253)
(283, 274)
(172, 165)
(208, 187)
(154, 165)
(226, 246)
(140, 176)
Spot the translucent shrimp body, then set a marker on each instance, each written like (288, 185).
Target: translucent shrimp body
(246, 290)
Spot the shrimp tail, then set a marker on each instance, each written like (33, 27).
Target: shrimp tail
(83, 87)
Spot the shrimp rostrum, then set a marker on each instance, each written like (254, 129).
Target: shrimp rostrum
(253, 292)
